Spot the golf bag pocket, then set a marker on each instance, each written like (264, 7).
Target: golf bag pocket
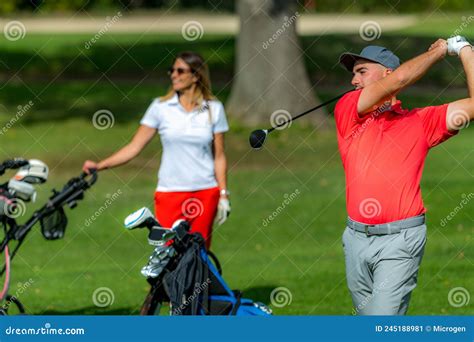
(196, 287)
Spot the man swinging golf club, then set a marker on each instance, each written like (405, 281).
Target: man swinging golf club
(383, 149)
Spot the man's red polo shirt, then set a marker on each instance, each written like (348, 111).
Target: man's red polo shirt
(383, 154)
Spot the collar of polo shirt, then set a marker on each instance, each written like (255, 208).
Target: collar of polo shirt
(175, 101)
(396, 108)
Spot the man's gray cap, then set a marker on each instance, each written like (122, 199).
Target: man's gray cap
(377, 54)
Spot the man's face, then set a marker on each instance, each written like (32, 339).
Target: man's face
(366, 72)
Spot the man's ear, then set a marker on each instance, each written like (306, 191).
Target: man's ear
(387, 72)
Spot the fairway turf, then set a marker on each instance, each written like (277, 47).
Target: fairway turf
(300, 249)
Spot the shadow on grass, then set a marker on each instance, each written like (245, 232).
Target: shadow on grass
(94, 310)
(259, 293)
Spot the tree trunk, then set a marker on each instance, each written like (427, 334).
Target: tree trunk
(270, 77)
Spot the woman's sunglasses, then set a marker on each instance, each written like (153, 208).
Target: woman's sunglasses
(180, 71)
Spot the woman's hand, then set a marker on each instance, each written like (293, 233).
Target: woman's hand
(88, 165)
(223, 210)
(220, 165)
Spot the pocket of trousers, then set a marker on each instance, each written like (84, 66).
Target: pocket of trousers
(414, 240)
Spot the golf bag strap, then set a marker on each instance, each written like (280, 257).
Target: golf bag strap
(215, 261)
(238, 301)
(205, 294)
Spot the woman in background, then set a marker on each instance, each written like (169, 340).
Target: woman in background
(192, 181)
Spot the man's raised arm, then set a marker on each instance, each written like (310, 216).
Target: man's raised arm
(375, 94)
(461, 112)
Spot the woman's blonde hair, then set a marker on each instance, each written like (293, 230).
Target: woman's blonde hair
(200, 70)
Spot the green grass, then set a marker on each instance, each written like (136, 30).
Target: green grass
(442, 25)
(300, 250)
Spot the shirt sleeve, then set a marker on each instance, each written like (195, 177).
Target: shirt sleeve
(434, 124)
(152, 117)
(219, 124)
(345, 114)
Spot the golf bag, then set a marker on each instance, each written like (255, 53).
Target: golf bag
(196, 286)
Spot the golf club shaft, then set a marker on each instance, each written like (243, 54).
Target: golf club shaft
(309, 110)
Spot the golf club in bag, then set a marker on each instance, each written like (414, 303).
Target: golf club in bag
(51, 217)
(257, 138)
(182, 272)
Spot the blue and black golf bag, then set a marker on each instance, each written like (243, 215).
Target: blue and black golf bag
(196, 286)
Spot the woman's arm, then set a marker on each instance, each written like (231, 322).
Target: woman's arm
(220, 161)
(141, 138)
(220, 166)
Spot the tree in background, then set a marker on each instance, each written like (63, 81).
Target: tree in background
(270, 74)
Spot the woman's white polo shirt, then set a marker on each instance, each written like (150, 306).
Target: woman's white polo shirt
(187, 162)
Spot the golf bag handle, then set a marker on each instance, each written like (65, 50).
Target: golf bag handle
(71, 192)
(12, 164)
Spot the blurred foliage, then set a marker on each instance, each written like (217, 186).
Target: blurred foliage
(9, 6)
(216, 6)
(149, 56)
(58, 6)
(402, 6)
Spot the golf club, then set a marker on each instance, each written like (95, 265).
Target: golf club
(257, 138)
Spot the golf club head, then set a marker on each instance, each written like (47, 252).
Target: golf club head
(181, 228)
(257, 138)
(159, 236)
(141, 218)
(22, 190)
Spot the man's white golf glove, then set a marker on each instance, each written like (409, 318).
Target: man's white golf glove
(223, 210)
(455, 44)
